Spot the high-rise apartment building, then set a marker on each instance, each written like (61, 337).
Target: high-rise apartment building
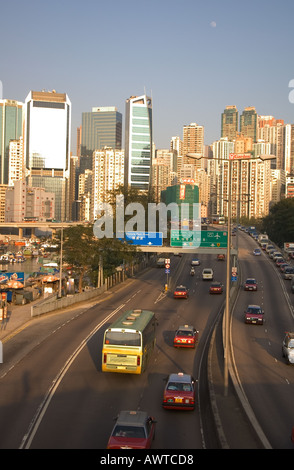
(11, 128)
(26, 202)
(84, 195)
(162, 171)
(193, 142)
(248, 123)
(138, 142)
(16, 168)
(107, 175)
(251, 191)
(47, 145)
(100, 128)
(273, 131)
(230, 122)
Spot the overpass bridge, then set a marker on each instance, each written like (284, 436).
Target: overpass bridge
(33, 225)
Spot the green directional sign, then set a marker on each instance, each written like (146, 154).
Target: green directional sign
(207, 239)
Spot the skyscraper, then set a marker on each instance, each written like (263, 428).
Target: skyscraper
(193, 142)
(248, 123)
(229, 122)
(101, 128)
(107, 175)
(47, 145)
(138, 142)
(11, 128)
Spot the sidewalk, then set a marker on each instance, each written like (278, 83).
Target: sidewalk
(17, 317)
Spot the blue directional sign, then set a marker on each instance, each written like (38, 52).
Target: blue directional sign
(144, 238)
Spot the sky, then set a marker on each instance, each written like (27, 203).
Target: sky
(192, 57)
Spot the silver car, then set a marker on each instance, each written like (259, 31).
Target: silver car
(288, 272)
(288, 348)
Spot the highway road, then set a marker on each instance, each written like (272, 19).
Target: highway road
(57, 396)
(266, 379)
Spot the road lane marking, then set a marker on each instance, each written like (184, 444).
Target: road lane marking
(29, 436)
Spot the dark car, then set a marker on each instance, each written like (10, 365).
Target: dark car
(186, 337)
(280, 261)
(181, 292)
(250, 284)
(216, 288)
(283, 266)
(133, 430)
(254, 315)
(179, 392)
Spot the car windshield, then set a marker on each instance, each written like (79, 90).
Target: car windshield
(184, 333)
(291, 343)
(250, 281)
(179, 387)
(129, 431)
(255, 310)
(181, 289)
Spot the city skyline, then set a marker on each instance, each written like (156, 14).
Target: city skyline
(193, 59)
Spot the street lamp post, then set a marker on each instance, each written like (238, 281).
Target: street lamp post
(228, 274)
(232, 157)
(60, 262)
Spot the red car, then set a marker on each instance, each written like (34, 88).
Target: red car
(254, 315)
(221, 257)
(216, 288)
(179, 392)
(250, 284)
(181, 292)
(133, 430)
(186, 337)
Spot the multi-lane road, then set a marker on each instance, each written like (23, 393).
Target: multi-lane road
(266, 379)
(57, 397)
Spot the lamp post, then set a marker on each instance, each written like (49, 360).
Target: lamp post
(232, 157)
(60, 263)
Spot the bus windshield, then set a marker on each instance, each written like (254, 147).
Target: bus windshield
(123, 338)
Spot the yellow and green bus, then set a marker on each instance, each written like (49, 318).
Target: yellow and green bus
(129, 342)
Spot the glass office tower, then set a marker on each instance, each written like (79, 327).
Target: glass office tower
(101, 128)
(11, 122)
(138, 142)
(47, 145)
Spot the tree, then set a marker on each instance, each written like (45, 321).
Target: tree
(82, 250)
(279, 223)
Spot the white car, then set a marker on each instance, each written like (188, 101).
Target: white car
(288, 348)
(207, 274)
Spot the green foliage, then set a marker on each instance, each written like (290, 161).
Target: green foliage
(279, 223)
(81, 249)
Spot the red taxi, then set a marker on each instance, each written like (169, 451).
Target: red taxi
(179, 392)
(186, 337)
(133, 430)
(250, 284)
(254, 315)
(181, 292)
(216, 288)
